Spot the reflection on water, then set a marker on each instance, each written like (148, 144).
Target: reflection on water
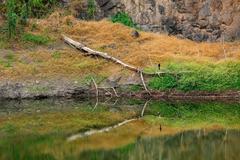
(39, 129)
(190, 145)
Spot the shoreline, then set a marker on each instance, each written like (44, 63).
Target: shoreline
(68, 90)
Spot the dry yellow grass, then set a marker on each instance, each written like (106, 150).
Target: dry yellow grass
(147, 50)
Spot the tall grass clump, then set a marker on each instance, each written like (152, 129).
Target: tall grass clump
(11, 18)
(210, 77)
(91, 9)
(123, 18)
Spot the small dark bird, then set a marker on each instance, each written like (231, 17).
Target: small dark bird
(159, 66)
(160, 128)
(135, 34)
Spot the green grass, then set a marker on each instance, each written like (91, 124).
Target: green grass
(8, 60)
(135, 88)
(56, 55)
(36, 39)
(201, 77)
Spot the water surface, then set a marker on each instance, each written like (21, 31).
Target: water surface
(40, 129)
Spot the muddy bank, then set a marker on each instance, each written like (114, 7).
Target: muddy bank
(66, 89)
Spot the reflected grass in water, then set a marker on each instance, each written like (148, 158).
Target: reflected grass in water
(39, 129)
(216, 145)
(194, 114)
(30, 129)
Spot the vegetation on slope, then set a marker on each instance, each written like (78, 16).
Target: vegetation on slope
(213, 66)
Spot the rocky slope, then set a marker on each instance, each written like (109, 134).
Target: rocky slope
(205, 20)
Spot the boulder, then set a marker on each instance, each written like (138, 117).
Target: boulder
(180, 17)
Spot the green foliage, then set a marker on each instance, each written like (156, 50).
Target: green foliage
(91, 10)
(218, 77)
(124, 18)
(24, 14)
(163, 82)
(17, 13)
(39, 8)
(11, 18)
(37, 39)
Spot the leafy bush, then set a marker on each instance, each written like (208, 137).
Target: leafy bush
(37, 39)
(30, 8)
(124, 18)
(218, 77)
(91, 10)
(18, 11)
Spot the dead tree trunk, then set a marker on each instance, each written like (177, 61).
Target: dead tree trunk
(90, 52)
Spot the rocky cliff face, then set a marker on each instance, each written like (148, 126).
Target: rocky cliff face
(198, 20)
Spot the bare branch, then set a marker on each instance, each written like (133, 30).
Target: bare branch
(144, 108)
(97, 93)
(143, 82)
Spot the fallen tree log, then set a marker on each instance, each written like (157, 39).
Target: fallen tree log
(90, 52)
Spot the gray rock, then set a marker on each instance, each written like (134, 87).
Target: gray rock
(135, 34)
(175, 16)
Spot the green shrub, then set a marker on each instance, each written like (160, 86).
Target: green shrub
(11, 18)
(30, 8)
(18, 11)
(37, 39)
(91, 10)
(39, 8)
(124, 18)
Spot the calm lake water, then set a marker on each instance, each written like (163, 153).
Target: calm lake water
(119, 129)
